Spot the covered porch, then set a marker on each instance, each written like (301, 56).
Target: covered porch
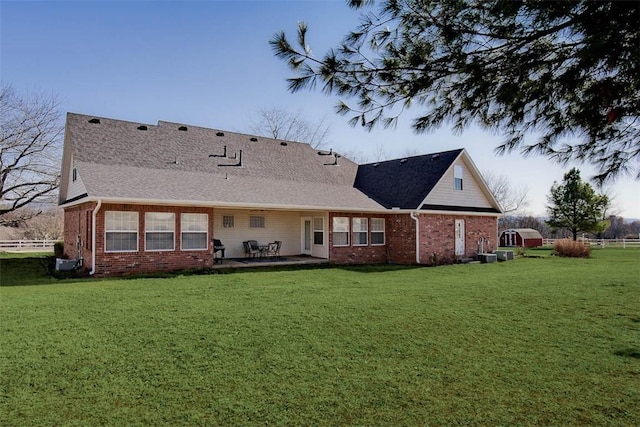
(300, 232)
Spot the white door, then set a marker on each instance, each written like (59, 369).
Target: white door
(307, 235)
(460, 250)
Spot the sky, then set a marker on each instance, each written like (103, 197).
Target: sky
(209, 63)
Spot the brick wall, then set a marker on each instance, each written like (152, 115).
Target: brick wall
(77, 233)
(437, 239)
(121, 263)
(357, 254)
(401, 238)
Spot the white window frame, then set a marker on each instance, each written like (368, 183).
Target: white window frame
(228, 221)
(150, 222)
(257, 221)
(360, 227)
(457, 178)
(117, 222)
(375, 223)
(318, 230)
(341, 226)
(194, 223)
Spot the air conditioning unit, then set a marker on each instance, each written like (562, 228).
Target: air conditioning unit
(504, 255)
(486, 258)
(65, 264)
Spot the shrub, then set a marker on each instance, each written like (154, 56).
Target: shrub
(571, 248)
(58, 249)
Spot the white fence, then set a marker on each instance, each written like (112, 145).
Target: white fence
(26, 245)
(624, 243)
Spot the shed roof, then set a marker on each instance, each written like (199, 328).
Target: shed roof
(526, 233)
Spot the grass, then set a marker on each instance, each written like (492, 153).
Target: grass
(535, 341)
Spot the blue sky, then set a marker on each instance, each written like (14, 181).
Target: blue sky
(210, 64)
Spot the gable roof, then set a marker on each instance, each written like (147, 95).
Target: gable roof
(171, 163)
(526, 233)
(404, 183)
(120, 160)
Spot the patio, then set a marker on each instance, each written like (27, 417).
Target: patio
(268, 261)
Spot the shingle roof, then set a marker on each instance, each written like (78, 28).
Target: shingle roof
(404, 183)
(176, 163)
(527, 233)
(116, 159)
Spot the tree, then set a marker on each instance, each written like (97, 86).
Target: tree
(511, 199)
(564, 73)
(30, 151)
(575, 205)
(618, 228)
(280, 124)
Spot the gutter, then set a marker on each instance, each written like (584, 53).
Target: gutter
(416, 217)
(93, 237)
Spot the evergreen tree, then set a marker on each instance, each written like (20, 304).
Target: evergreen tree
(576, 206)
(563, 72)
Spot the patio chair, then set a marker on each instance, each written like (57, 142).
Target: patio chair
(278, 245)
(272, 249)
(250, 250)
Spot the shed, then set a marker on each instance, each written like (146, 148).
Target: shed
(521, 237)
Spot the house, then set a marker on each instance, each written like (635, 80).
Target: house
(141, 198)
(521, 237)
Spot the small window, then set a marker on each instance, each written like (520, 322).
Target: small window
(228, 221)
(340, 231)
(194, 229)
(121, 231)
(318, 231)
(457, 177)
(159, 231)
(256, 221)
(360, 231)
(377, 231)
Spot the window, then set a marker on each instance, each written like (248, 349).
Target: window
(228, 221)
(159, 230)
(457, 177)
(318, 231)
(360, 229)
(194, 230)
(340, 231)
(121, 231)
(74, 174)
(256, 221)
(377, 231)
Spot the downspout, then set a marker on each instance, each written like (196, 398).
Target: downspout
(416, 217)
(93, 237)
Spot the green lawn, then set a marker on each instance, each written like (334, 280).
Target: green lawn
(534, 341)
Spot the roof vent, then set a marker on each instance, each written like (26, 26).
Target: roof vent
(142, 127)
(375, 165)
(220, 134)
(254, 139)
(284, 144)
(94, 121)
(435, 156)
(183, 128)
(403, 161)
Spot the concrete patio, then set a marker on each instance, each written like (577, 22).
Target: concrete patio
(268, 262)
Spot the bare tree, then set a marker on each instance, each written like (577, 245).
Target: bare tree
(512, 199)
(48, 225)
(30, 149)
(277, 123)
